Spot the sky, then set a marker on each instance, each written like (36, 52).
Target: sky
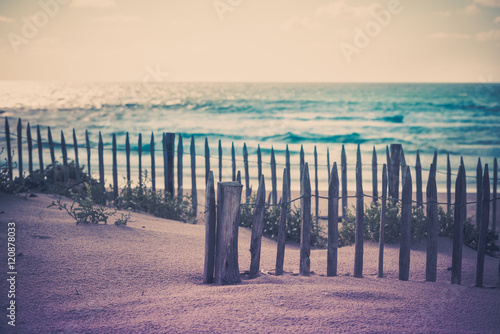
(250, 40)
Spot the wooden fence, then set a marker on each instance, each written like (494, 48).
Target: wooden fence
(390, 191)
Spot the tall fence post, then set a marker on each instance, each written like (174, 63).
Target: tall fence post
(87, 144)
(233, 161)
(448, 186)
(127, 157)
(257, 227)
(180, 153)
(153, 167)
(77, 160)
(9, 149)
(464, 190)
(374, 176)
(220, 161)
(301, 164)
(101, 161)
(403, 167)
(288, 171)
(210, 228)
(383, 210)
(280, 253)
(358, 248)
(30, 149)
(479, 194)
(52, 157)
(139, 156)
(248, 191)
(274, 189)
(207, 160)
(20, 147)
(483, 230)
(259, 163)
(418, 177)
(65, 158)
(165, 163)
(305, 214)
(343, 171)
(495, 181)
(394, 171)
(328, 163)
(194, 193)
(40, 148)
(333, 222)
(432, 229)
(115, 169)
(456, 266)
(228, 216)
(170, 144)
(316, 191)
(405, 243)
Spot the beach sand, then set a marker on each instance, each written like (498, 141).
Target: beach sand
(147, 278)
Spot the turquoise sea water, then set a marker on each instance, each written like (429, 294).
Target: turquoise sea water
(456, 119)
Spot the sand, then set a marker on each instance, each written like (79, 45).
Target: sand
(147, 278)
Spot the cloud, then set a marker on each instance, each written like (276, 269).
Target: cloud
(340, 9)
(472, 9)
(93, 3)
(5, 19)
(443, 14)
(296, 22)
(488, 3)
(448, 35)
(488, 36)
(117, 18)
(497, 19)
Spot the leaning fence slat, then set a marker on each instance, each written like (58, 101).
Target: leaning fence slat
(127, 156)
(101, 161)
(259, 163)
(280, 253)
(328, 163)
(77, 159)
(418, 180)
(288, 170)
(194, 194)
(405, 243)
(65, 158)
(248, 191)
(383, 210)
(274, 189)
(456, 266)
(153, 167)
(374, 176)
(432, 229)
(210, 227)
(257, 228)
(165, 163)
(207, 160)
(358, 248)
(301, 165)
(20, 147)
(479, 194)
(30, 149)
(316, 191)
(170, 144)
(333, 222)
(305, 214)
(87, 143)
(464, 190)
(403, 167)
(139, 155)
(483, 230)
(52, 157)
(448, 186)
(220, 161)
(115, 169)
(343, 170)
(9, 152)
(233, 161)
(180, 153)
(495, 180)
(228, 214)
(40, 148)
(394, 171)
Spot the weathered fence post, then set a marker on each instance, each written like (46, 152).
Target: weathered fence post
(180, 153)
(127, 157)
(228, 217)
(383, 210)
(207, 160)
(328, 163)
(210, 227)
(259, 163)
(248, 191)
(40, 148)
(20, 147)
(30, 149)
(432, 229)
(101, 161)
(77, 160)
(165, 163)
(456, 266)
(316, 192)
(418, 177)
(479, 194)
(288, 172)
(305, 214)
(405, 243)
(9, 152)
(483, 230)
(233, 161)
(403, 167)
(170, 145)
(115, 169)
(52, 157)
(139, 155)
(302, 162)
(495, 180)
(153, 167)
(374, 176)
(280, 253)
(194, 193)
(274, 189)
(333, 222)
(87, 143)
(464, 190)
(257, 227)
(220, 161)
(65, 158)
(394, 171)
(448, 186)
(358, 250)
(343, 170)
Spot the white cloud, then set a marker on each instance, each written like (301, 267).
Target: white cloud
(117, 18)
(488, 3)
(443, 14)
(340, 9)
(5, 19)
(93, 3)
(448, 35)
(301, 23)
(472, 9)
(497, 19)
(487, 36)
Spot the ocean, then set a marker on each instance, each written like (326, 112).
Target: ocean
(462, 120)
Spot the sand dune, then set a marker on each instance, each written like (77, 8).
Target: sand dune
(146, 278)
